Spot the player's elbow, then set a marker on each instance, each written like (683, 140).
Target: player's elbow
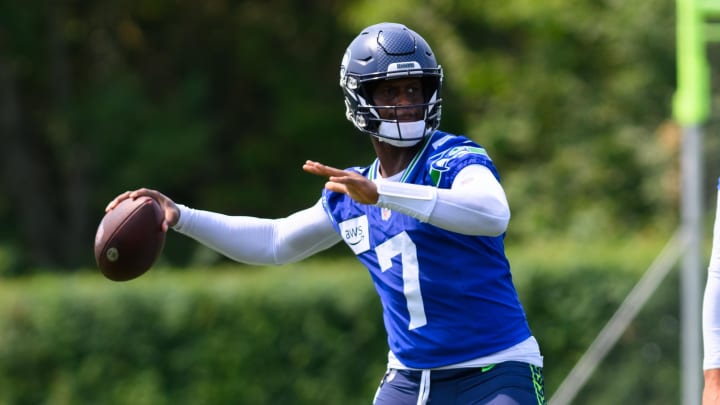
(496, 215)
(489, 218)
(498, 225)
(489, 225)
(478, 223)
(476, 217)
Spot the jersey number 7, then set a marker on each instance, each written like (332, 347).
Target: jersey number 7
(402, 245)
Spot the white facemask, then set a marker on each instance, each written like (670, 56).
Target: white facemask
(412, 133)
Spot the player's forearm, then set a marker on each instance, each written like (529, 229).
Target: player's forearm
(475, 205)
(228, 235)
(260, 241)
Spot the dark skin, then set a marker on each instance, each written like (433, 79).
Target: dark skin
(398, 92)
(393, 160)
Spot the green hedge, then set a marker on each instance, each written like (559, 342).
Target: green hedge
(303, 334)
(191, 339)
(570, 289)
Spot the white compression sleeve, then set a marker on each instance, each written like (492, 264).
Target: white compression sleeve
(711, 300)
(257, 240)
(475, 204)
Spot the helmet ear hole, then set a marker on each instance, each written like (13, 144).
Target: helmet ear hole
(431, 87)
(368, 89)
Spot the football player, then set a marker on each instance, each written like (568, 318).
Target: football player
(427, 218)
(711, 318)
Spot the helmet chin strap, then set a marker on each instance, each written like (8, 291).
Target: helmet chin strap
(402, 134)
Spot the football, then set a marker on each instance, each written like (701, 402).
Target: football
(129, 238)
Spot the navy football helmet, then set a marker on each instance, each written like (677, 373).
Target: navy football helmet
(390, 51)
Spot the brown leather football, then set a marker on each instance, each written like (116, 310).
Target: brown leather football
(129, 239)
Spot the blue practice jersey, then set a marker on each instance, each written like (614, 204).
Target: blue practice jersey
(446, 297)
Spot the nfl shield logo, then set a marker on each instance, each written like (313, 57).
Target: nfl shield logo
(385, 213)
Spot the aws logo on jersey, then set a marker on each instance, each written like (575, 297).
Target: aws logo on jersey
(356, 234)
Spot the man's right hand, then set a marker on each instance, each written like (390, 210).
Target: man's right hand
(172, 212)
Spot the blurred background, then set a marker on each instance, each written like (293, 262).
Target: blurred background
(218, 103)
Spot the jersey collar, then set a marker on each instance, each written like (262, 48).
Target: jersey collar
(374, 172)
